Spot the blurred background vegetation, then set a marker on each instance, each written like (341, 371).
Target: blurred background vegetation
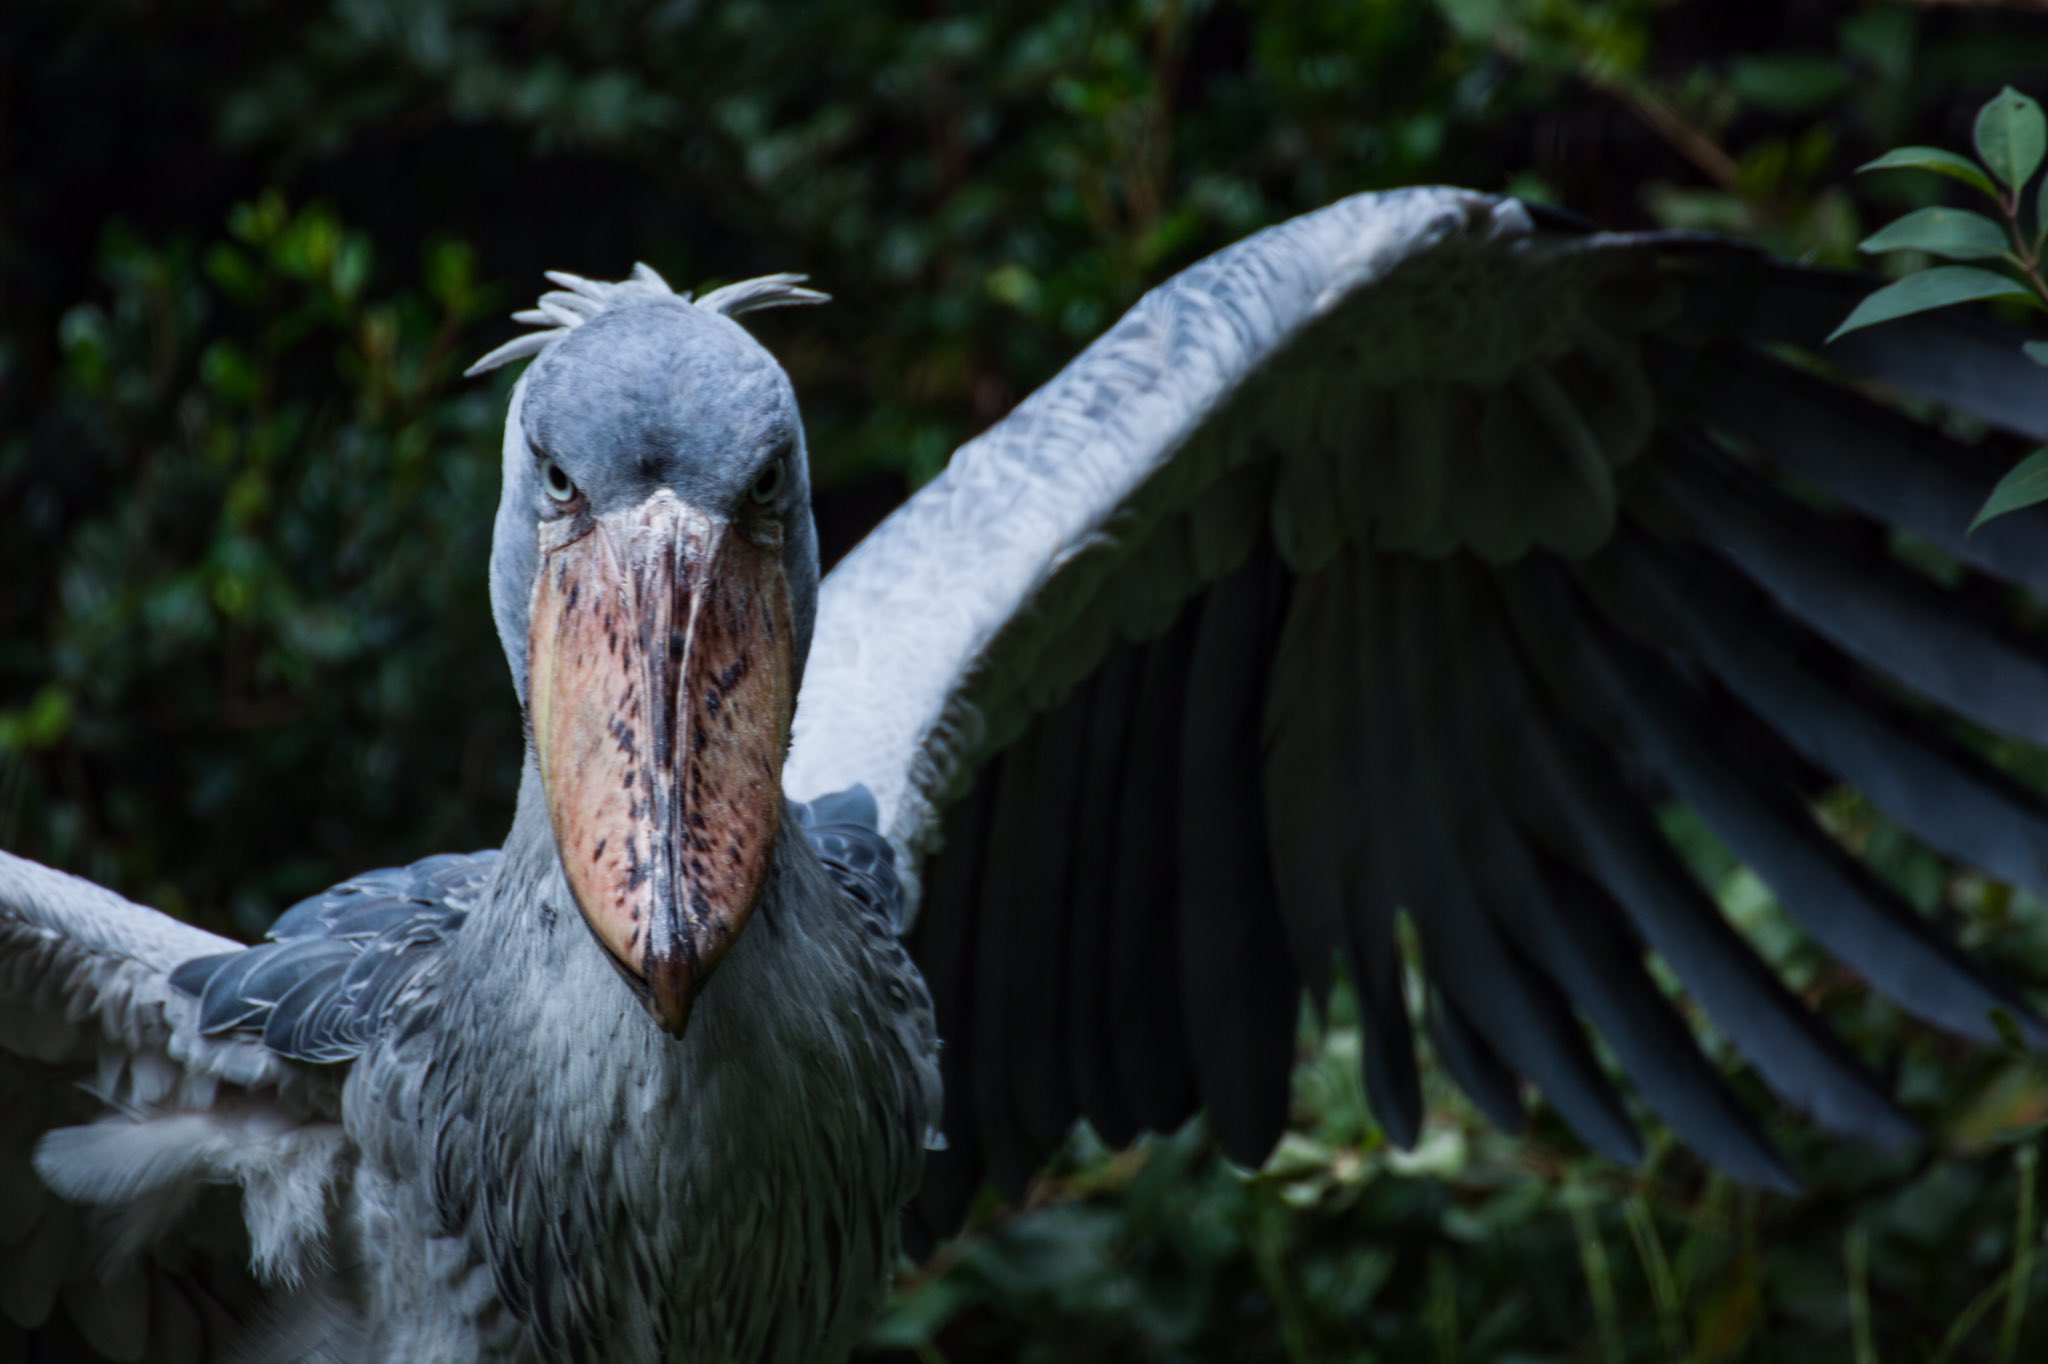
(247, 248)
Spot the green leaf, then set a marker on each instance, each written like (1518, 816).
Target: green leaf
(2002, 1018)
(1936, 160)
(230, 372)
(2037, 351)
(351, 268)
(1936, 288)
(2023, 486)
(2011, 136)
(1950, 232)
(40, 724)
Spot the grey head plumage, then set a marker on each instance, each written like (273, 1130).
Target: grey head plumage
(635, 381)
(654, 581)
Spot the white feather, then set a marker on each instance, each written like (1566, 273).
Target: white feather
(118, 1158)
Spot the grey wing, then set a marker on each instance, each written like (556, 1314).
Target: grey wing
(1405, 558)
(152, 1180)
(338, 963)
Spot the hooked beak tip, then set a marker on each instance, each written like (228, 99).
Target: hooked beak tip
(671, 991)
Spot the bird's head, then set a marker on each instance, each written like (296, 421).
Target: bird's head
(654, 576)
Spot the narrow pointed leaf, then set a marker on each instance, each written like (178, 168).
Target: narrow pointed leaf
(1936, 160)
(1936, 288)
(2026, 485)
(1949, 232)
(2011, 136)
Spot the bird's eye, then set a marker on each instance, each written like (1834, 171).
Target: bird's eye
(768, 483)
(556, 482)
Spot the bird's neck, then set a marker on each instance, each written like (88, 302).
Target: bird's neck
(627, 1156)
(537, 957)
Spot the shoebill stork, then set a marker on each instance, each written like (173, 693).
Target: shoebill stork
(1404, 558)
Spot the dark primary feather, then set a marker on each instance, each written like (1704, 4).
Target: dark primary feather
(1566, 924)
(1953, 356)
(1091, 913)
(1241, 993)
(1506, 617)
(1149, 1047)
(1733, 788)
(1873, 459)
(1493, 990)
(1010, 970)
(1812, 696)
(1475, 1065)
(1374, 889)
(1611, 835)
(1309, 741)
(1035, 1077)
(944, 944)
(1946, 645)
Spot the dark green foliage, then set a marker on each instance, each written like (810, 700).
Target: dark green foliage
(1480, 1246)
(246, 606)
(246, 249)
(2011, 137)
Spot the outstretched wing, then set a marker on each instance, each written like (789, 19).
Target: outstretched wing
(1405, 558)
(165, 1156)
(119, 1122)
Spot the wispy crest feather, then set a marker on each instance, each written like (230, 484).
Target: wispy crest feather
(578, 300)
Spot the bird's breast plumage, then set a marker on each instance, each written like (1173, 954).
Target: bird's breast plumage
(732, 1195)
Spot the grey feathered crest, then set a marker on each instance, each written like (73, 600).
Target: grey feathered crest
(579, 299)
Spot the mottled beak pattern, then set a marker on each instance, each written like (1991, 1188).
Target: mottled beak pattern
(660, 697)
